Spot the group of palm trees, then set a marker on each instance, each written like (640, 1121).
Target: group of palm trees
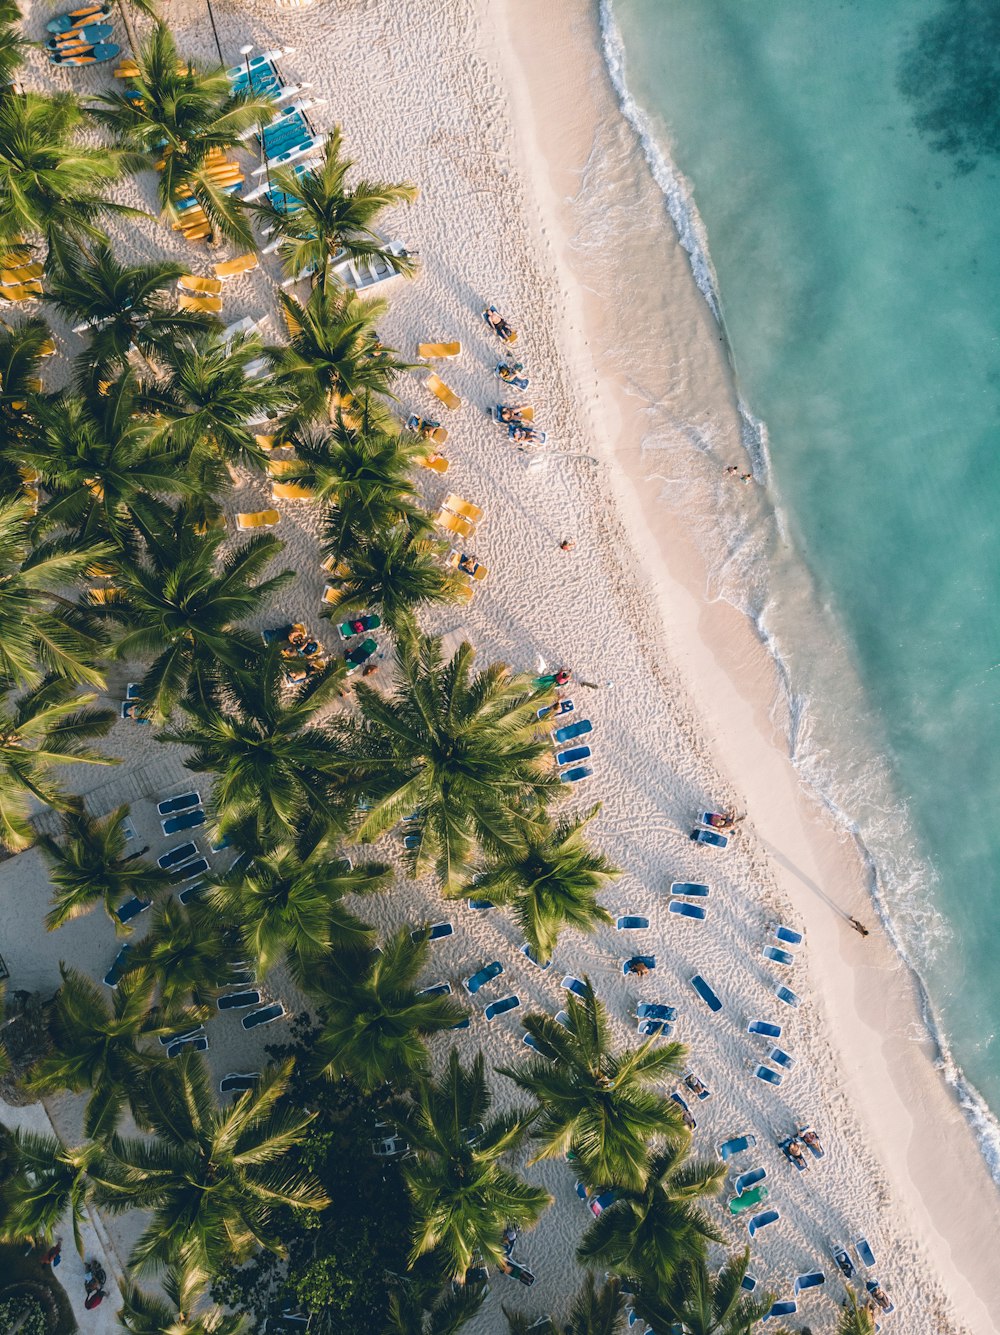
(113, 548)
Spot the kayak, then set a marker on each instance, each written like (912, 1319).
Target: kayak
(76, 18)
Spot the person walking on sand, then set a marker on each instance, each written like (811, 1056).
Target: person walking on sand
(859, 927)
(567, 545)
(54, 1255)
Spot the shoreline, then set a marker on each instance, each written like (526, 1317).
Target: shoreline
(721, 656)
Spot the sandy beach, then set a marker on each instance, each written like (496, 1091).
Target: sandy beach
(503, 113)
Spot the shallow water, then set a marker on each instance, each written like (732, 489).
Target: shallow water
(843, 162)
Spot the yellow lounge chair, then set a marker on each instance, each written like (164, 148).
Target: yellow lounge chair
(480, 573)
(465, 593)
(105, 595)
(25, 293)
(20, 273)
(331, 594)
(48, 348)
(291, 491)
(292, 325)
(265, 442)
(205, 526)
(466, 509)
(441, 391)
(200, 233)
(437, 463)
(189, 302)
(257, 519)
(233, 268)
(454, 523)
(339, 568)
(190, 282)
(190, 218)
(441, 350)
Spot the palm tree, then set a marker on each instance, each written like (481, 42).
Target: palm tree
(395, 570)
(12, 44)
(707, 1304)
(599, 1105)
(91, 866)
(96, 1044)
(334, 355)
(463, 1197)
(46, 726)
(374, 1017)
(50, 1181)
(213, 1178)
(206, 398)
(103, 472)
(551, 881)
(657, 1228)
(854, 1320)
(50, 184)
(332, 220)
(446, 1316)
(142, 1314)
(279, 773)
(182, 606)
(126, 306)
(182, 953)
(22, 349)
(180, 116)
(285, 904)
(462, 749)
(40, 630)
(597, 1311)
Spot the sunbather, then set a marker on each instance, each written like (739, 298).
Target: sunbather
(844, 1264)
(509, 371)
(881, 1297)
(695, 1085)
(469, 564)
(811, 1139)
(497, 323)
(637, 967)
(794, 1151)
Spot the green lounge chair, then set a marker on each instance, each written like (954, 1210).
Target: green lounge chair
(748, 1201)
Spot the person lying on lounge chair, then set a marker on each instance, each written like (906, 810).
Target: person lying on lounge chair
(811, 1139)
(509, 370)
(881, 1297)
(795, 1151)
(694, 1085)
(469, 564)
(638, 968)
(497, 323)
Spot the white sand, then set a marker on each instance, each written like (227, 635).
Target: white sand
(505, 128)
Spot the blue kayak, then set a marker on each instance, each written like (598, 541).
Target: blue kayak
(76, 18)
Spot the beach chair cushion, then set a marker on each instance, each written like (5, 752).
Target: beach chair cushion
(257, 519)
(454, 523)
(233, 268)
(458, 506)
(439, 349)
(190, 282)
(189, 302)
(441, 391)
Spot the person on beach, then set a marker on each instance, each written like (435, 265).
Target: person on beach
(94, 1299)
(732, 470)
(795, 1151)
(567, 545)
(746, 477)
(811, 1139)
(638, 968)
(859, 927)
(695, 1085)
(54, 1255)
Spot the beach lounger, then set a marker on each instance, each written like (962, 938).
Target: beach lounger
(786, 995)
(748, 1283)
(737, 1145)
(689, 889)
(423, 426)
(762, 1220)
(648, 960)
(436, 990)
(501, 1007)
(532, 958)
(503, 331)
(170, 806)
(684, 910)
(654, 1028)
(190, 302)
(131, 909)
(652, 1010)
(441, 391)
(576, 775)
(875, 1288)
(779, 1057)
(785, 1308)
(435, 933)
(631, 923)
(705, 992)
(332, 595)
(189, 870)
(237, 1082)
(291, 491)
(192, 892)
(354, 658)
(816, 1150)
(174, 856)
(237, 1001)
(571, 731)
(458, 506)
(483, 976)
(114, 975)
(696, 1086)
(560, 708)
(844, 1263)
(812, 1280)
(768, 1076)
(865, 1254)
(358, 626)
(562, 1017)
(575, 985)
(749, 1179)
(389, 1147)
(453, 523)
(197, 1044)
(266, 1015)
(764, 1029)
(777, 956)
(132, 709)
(750, 1201)
(574, 754)
(257, 519)
(233, 268)
(218, 845)
(181, 1035)
(186, 820)
(198, 284)
(786, 936)
(681, 1101)
(531, 1042)
(440, 350)
(711, 837)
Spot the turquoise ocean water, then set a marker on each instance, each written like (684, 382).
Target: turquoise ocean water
(836, 170)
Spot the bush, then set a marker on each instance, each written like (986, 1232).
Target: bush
(22, 1314)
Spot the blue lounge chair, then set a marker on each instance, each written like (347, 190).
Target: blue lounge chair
(810, 1281)
(768, 1076)
(631, 923)
(696, 1086)
(705, 992)
(189, 870)
(562, 1017)
(412, 842)
(711, 837)
(574, 754)
(561, 707)
(598, 1204)
(131, 909)
(191, 892)
(266, 1015)
(571, 731)
(737, 1145)
(816, 1150)
(777, 956)
(131, 709)
(514, 1270)
(575, 775)
(874, 1287)
(689, 889)
(436, 990)
(779, 1057)
(575, 985)
(114, 975)
(531, 1041)
(786, 995)
(648, 960)
(181, 1036)
(865, 1254)
(785, 1308)
(764, 1029)
(501, 1007)
(238, 1001)
(654, 1028)
(237, 1082)
(844, 1263)
(436, 933)
(748, 1283)
(799, 1160)
(480, 904)
(685, 910)
(681, 1102)
(219, 844)
(462, 1024)
(787, 937)
(171, 806)
(483, 976)
(758, 1221)
(174, 856)
(199, 1044)
(187, 820)
(749, 1179)
(532, 958)
(652, 1010)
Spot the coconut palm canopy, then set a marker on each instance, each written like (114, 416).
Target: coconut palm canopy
(705, 1303)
